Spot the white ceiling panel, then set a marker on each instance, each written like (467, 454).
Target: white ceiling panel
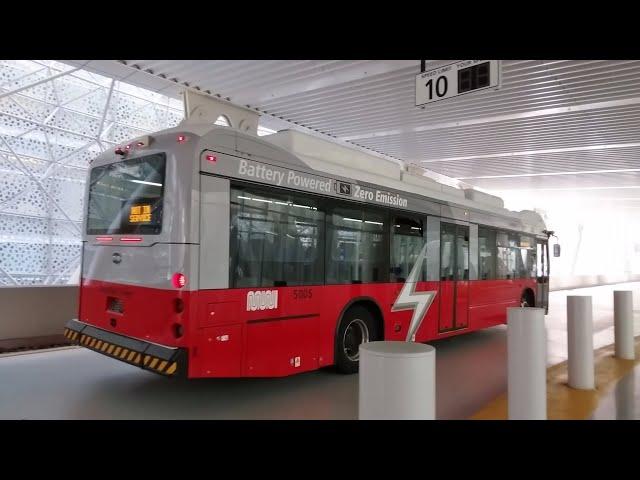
(554, 125)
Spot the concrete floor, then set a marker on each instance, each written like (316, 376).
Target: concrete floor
(623, 401)
(75, 383)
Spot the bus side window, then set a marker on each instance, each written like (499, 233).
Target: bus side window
(487, 253)
(503, 257)
(275, 240)
(526, 255)
(407, 241)
(357, 247)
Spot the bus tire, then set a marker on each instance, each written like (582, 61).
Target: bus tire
(357, 326)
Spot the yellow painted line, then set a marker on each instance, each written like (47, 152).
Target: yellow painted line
(162, 365)
(565, 403)
(111, 348)
(82, 338)
(105, 345)
(98, 345)
(153, 363)
(75, 335)
(93, 342)
(138, 358)
(146, 359)
(131, 355)
(124, 353)
(117, 352)
(172, 368)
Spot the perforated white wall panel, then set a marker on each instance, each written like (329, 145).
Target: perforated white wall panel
(53, 119)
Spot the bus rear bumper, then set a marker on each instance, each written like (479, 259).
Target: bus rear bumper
(168, 361)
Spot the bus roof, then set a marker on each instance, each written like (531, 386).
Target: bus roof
(307, 153)
(328, 157)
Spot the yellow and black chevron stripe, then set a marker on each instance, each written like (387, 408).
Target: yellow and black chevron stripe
(133, 357)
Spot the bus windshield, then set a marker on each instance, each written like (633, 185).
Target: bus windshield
(126, 197)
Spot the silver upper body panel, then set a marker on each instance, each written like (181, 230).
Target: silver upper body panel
(261, 160)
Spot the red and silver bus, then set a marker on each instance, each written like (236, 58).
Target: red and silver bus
(211, 252)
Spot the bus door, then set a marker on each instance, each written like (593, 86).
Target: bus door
(454, 276)
(542, 274)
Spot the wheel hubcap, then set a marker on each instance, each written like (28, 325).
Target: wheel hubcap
(355, 334)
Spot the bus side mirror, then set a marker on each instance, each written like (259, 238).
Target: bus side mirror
(556, 250)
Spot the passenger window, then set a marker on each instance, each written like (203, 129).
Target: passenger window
(447, 252)
(357, 246)
(487, 253)
(275, 240)
(506, 256)
(527, 264)
(407, 242)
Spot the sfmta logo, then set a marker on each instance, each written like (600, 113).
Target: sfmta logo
(262, 300)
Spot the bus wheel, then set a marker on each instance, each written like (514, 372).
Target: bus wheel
(357, 327)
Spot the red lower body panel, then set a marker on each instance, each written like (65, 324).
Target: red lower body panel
(279, 331)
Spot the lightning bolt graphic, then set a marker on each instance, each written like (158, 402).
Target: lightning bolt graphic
(409, 299)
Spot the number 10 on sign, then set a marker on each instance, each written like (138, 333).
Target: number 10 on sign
(458, 78)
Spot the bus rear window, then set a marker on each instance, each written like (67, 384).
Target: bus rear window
(126, 197)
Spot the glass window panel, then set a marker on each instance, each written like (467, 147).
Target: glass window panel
(357, 246)
(462, 255)
(502, 239)
(406, 244)
(447, 242)
(506, 263)
(126, 197)
(275, 240)
(487, 253)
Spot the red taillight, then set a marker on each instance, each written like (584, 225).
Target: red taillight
(130, 239)
(212, 158)
(182, 138)
(104, 239)
(178, 280)
(128, 147)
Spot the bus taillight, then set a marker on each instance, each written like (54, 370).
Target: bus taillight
(211, 158)
(182, 138)
(179, 280)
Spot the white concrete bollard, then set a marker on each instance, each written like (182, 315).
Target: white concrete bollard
(623, 324)
(580, 342)
(527, 364)
(397, 381)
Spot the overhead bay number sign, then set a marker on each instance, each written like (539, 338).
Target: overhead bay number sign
(458, 78)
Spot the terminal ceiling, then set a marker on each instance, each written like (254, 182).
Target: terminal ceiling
(554, 127)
